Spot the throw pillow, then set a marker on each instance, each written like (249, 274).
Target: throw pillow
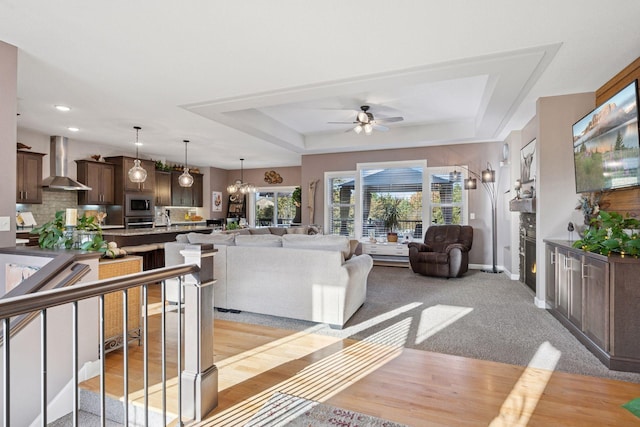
(217, 239)
(263, 230)
(182, 238)
(278, 231)
(297, 230)
(268, 240)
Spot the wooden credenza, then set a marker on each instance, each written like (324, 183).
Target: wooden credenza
(113, 322)
(596, 297)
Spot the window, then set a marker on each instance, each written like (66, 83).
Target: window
(340, 205)
(448, 200)
(273, 207)
(386, 185)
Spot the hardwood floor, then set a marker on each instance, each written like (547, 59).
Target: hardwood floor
(408, 386)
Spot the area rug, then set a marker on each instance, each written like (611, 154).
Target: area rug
(288, 410)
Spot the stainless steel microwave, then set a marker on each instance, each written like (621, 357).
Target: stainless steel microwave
(137, 204)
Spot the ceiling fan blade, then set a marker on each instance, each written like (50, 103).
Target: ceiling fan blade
(342, 123)
(389, 119)
(380, 127)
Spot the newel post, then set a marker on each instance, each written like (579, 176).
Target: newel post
(199, 378)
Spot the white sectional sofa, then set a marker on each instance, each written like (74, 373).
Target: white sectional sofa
(308, 277)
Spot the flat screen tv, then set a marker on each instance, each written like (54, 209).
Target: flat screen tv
(606, 149)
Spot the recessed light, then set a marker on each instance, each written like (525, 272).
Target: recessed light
(138, 143)
(73, 129)
(62, 108)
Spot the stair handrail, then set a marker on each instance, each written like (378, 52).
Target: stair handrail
(23, 304)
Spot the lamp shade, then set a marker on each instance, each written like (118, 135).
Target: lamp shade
(470, 184)
(488, 175)
(137, 172)
(185, 180)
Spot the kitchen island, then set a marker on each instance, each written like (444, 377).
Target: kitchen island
(145, 236)
(149, 242)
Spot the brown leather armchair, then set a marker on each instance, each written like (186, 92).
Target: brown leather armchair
(444, 253)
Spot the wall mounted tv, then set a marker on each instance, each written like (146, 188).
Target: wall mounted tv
(606, 149)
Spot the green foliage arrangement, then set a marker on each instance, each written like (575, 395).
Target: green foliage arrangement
(391, 214)
(232, 226)
(609, 233)
(296, 196)
(52, 234)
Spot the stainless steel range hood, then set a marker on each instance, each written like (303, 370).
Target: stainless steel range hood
(58, 168)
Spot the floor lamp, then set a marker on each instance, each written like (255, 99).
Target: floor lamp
(488, 180)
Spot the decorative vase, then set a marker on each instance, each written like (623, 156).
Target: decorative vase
(392, 237)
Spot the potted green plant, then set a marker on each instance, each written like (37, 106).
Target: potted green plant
(391, 218)
(610, 232)
(53, 234)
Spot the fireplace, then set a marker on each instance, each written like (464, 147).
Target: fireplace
(528, 264)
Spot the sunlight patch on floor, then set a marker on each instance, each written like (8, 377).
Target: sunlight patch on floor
(436, 318)
(523, 399)
(323, 379)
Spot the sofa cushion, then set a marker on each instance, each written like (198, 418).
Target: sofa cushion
(318, 242)
(215, 238)
(297, 230)
(278, 231)
(259, 240)
(262, 230)
(182, 238)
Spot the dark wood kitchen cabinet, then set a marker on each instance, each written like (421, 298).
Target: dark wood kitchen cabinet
(186, 196)
(29, 177)
(100, 176)
(595, 297)
(163, 188)
(122, 182)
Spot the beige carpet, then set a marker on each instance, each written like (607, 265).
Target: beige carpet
(481, 315)
(292, 411)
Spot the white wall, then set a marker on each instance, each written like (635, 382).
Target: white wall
(8, 111)
(556, 191)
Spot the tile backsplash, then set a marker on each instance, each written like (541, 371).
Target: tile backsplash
(52, 201)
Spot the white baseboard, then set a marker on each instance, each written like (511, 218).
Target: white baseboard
(540, 303)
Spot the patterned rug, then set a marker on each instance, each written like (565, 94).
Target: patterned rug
(287, 410)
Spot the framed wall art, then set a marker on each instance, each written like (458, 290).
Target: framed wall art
(528, 162)
(216, 201)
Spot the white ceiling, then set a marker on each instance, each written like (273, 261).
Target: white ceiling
(260, 80)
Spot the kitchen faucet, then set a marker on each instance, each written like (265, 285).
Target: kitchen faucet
(167, 218)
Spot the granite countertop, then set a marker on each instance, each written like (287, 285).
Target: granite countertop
(155, 231)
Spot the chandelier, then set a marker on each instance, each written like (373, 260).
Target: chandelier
(185, 180)
(137, 172)
(239, 185)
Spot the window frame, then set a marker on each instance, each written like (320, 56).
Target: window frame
(328, 201)
(251, 212)
(464, 204)
(421, 163)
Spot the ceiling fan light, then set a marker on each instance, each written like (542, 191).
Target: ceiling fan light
(362, 117)
(368, 128)
(358, 129)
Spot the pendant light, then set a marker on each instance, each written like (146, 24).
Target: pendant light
(240, 185)
(185, 180)
(137, 172)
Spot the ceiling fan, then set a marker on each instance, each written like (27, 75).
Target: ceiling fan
(367, 123)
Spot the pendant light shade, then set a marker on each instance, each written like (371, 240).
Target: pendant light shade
(239, 186)
(137, 172)
(185, 180)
